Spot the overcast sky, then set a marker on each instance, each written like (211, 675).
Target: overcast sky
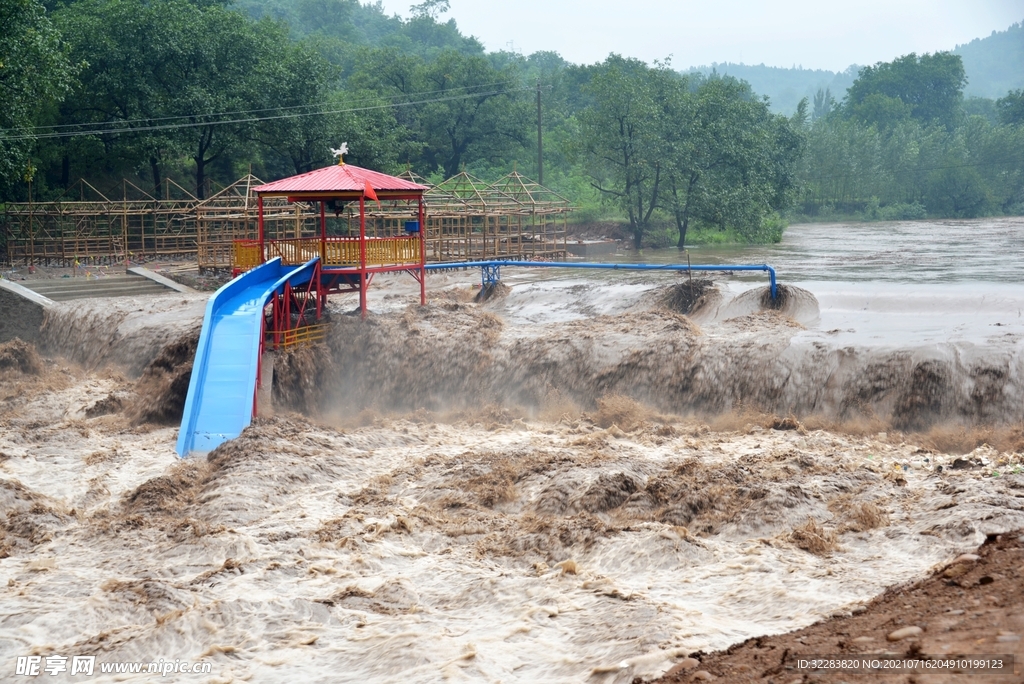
(819, 34)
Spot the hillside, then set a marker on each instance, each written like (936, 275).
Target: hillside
(785, 86)
(994, 64)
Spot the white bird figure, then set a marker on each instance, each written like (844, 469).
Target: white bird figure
(340, 152)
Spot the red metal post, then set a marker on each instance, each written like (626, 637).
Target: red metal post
(423, 253)
(323, 230)
(259, 222)
(275, 316)
(319, 297)
(362, 256)
(287, 307)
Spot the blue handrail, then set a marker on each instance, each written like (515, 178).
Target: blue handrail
(493, 266)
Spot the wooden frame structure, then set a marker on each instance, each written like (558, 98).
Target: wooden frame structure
(466, 219)
(232, 215)
(94, 229)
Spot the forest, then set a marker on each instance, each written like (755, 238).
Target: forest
(204, 91)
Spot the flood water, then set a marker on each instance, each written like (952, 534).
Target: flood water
(568, 483)
(877, 284)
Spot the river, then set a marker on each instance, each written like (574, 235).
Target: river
(569, 483)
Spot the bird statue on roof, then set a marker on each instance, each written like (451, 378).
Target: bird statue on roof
(340, 153)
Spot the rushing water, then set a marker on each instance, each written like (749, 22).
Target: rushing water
(495, 506)
(877, 284)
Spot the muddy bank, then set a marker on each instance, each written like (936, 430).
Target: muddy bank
(972, 606)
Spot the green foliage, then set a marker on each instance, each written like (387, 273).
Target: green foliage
(178, 88)
(929, 89)
(824, 103)
(732, 162)
(708, 152)
(1010, 109)
(956, 191)
(851, 168)
(466, 109)
(34, 72)
(622, 138)
(349, 21)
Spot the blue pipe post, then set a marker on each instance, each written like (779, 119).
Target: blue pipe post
(490, 269)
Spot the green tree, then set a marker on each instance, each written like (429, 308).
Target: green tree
(34, 72)
(484, 119)
(824, 103)
(621, 137)
(171, 78)
(208, 64)
(1011, 108)
(731, 162)
(956, 191)
(467, 110)
(930, 86)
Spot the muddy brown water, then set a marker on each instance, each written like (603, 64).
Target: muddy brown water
(569, 482)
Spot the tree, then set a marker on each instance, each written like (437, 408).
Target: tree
(957, 191)
(302, 87)
(34, 71)
(730, 162)
(622, 139)
(209, 64)
(466, 109)
(824, 103)
(929, 87)
(1011, 107)
(430, 8)
(484, 118)
(174, 78)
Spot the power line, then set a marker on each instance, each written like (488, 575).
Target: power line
(294, 115)
(121, 122)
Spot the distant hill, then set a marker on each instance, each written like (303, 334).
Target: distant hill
(785, 87)
(995, 64)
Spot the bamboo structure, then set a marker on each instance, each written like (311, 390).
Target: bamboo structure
(466, 219)
(85, 226)
(232, 215)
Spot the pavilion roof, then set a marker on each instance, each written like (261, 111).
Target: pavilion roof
(339, 178)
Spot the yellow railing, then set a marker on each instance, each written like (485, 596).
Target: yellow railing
(245, 254)
(341, 253)
(309, 334)
(379, 251)
(389, 251)
(334, 252)
(294, 252)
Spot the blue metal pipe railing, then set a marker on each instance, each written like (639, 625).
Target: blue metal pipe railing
(490, 269)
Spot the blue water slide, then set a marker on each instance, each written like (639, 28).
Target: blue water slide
(223, 384)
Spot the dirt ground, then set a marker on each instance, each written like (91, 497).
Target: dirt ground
(973, 606)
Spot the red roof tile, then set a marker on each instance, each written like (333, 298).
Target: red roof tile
(339, 178)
